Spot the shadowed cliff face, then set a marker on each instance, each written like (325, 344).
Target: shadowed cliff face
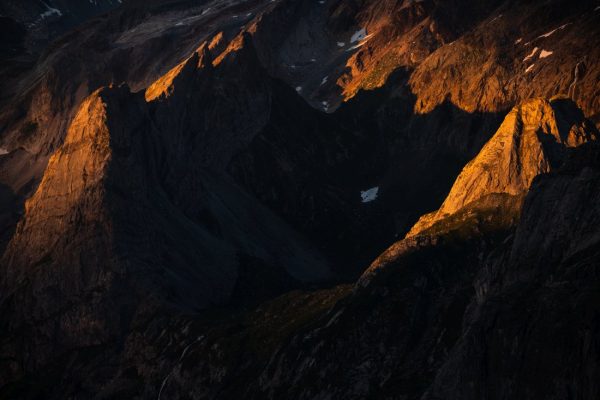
(535, 306)
(441, 308)
(126, 209)
(186, 189)
(453, 307)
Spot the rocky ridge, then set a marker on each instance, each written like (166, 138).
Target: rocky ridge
(143, 222)
(531, 141)
(454, 295)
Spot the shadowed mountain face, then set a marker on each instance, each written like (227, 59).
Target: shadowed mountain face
(207, 199)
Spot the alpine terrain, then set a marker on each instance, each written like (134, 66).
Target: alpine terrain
(300, 199)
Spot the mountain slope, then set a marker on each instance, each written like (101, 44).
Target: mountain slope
(532, 139)
(187, 188)
(102, 222)
(535, 314)
(416, 320)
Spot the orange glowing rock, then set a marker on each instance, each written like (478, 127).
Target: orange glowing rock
(529, 142)
(165, 84)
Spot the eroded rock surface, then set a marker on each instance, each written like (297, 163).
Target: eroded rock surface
(531, 141)
(186, 189)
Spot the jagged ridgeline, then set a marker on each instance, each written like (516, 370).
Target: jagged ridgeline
(293, 199)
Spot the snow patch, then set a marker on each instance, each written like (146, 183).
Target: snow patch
(531, 54)
(360, 38)
(50, 11)
(324, 80)
(529, 68)
(298, 89)
(519, 40)
(369, 195)
(341, 44)
(358, 35)
(544, 53)
(3, 151)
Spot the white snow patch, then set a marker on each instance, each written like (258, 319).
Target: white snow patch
(3, 151)
(529, 68)
(597, 8)
(341, 44)
(519, 40)
(298, 89)
(369, 195)
(531, 54)
(50, 11)
(544, 53)
(324, 80)
(358, 35)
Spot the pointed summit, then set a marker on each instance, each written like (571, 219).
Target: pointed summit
(531, 141)
(165, 85)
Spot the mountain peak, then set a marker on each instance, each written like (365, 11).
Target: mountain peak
(531, 141)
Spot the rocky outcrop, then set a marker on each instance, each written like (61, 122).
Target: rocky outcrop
(535, 314)
(472, 303)
(101, 236)
(398, 47)
(147, 233)
(531, 141)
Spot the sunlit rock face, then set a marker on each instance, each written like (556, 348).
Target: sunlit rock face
(107, 219)
(521, 315)
(532, 140)
(207, 199)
